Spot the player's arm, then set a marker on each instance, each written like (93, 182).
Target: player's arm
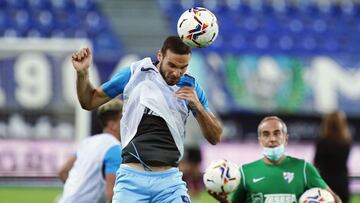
(109, 185)
(112, 161)
(336, 197)
(314, 180)
(88, 96)
(238, 196)
(64, 170)
(221, 197)
(209, 124)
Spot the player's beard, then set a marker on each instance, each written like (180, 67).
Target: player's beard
(169, 80)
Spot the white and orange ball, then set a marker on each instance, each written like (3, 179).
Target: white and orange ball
(197, 27)
(316, 195)
(222, 176)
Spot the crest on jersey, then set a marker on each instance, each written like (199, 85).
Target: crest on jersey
(288, 176)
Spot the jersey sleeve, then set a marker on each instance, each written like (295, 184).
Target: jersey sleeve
(239, 195)
(117, 83)
(312, 177)
(112, 160)
(202, 96)
(188, 80)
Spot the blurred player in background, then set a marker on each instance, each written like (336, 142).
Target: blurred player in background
(191, 168)
(158, 97)
(90, 174)
(276, 177)
(332, 153)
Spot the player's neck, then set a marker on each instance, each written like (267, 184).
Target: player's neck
(270, 162)
(111, 132)
(157, 65)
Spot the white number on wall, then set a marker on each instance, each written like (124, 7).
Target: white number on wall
(33, 80)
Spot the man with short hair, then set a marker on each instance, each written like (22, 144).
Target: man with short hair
(158, 97)
(276, 177)
(89, 175)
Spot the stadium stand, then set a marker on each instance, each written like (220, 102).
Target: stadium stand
(274, 27)
(59, 19)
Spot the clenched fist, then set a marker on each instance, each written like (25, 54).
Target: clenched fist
(81, 60)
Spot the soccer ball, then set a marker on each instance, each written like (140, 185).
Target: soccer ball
(222, 176)
(197, 27)
(316, 195)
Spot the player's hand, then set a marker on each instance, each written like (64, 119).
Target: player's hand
(221, 197)
(81, 60)
(189, 94)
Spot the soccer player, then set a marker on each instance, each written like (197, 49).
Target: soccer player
(158, 97)
(276, 177)
(89, 175)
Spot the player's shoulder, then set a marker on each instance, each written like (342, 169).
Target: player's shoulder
(114, 149)
(91, 138)
(251, 165)
(187, 80)
(105, 138)
(297, 161)
(145, 64)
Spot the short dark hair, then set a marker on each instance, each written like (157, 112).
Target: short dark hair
(110, 111)
(175, 45)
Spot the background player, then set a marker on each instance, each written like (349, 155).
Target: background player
(90, 174)
(276, 177)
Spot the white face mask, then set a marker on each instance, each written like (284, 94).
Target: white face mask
(275, 153)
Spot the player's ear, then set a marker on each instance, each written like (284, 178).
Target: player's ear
(159, 56)
(286, 139)
(259, 140)
(112, 124)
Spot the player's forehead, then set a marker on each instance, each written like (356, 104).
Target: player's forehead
(270, 125)
(177, 59)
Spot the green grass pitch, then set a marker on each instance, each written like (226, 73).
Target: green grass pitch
(50, 195)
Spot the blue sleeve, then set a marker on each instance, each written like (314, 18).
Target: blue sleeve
(117, 83)
(187, 80)
(112, 159)
(202, 96)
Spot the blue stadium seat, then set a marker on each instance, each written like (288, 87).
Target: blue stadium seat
(58, 33)
(56, 18)
(80, 33)
(5, 21)
(85, 5)
(218, 45)
(105, 40)
(330, 45)
(45, 21)
(15, 4)
(239, 43)
(262, 42)
(95, 23)
(306, 27)
(11, 32)
(22, 20)
(63, 5)
(38, 4)
(35, 33)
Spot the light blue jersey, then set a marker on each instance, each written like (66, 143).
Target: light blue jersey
(96, 156)
(117, 84)
(112, 160)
